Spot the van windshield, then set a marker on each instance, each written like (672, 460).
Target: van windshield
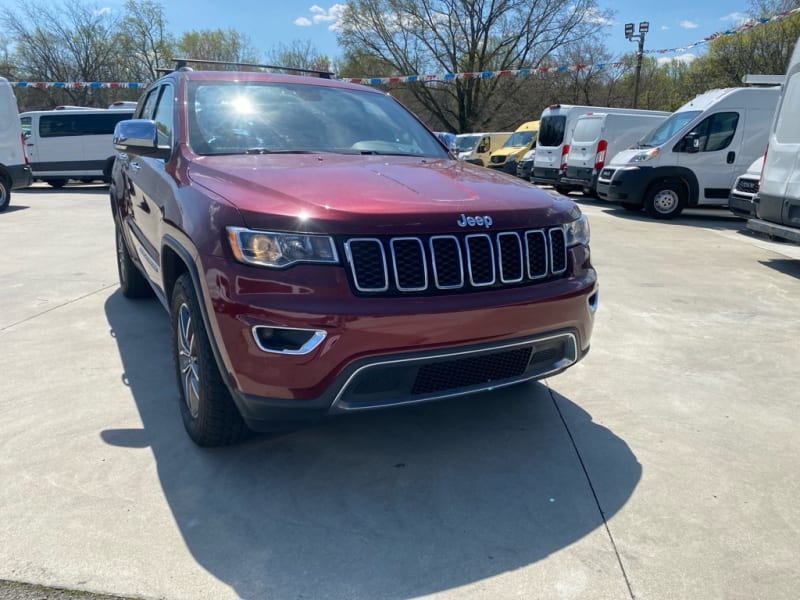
(466, 143)
(551, 130)
(667, 129)
(519, 138)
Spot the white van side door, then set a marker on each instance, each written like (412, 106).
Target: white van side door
(713, 154)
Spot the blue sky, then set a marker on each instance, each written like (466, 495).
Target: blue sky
(673, 23)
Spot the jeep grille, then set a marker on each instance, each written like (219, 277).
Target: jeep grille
(466, 262)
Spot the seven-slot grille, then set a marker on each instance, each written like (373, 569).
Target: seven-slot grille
(437, 263)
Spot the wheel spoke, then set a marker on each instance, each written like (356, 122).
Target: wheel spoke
(187, 360)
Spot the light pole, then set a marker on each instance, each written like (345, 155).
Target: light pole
(644, 27)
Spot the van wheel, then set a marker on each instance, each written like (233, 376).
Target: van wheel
(5, 194)
(207, 408)
(57, 183)
(665, 200)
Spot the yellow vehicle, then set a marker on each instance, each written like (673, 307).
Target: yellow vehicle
(522, 140)
(477, 147)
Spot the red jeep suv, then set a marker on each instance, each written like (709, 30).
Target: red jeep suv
(320, 252)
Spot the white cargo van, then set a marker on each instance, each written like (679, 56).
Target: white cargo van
(744, 190)
(14, 170)
(476, 148)
(73, 143)
(693, 157)
(552, 145)
(777, 204)
(599, 136)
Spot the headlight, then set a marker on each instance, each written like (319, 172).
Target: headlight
(577, 232)
(271, 249)
(643, 156)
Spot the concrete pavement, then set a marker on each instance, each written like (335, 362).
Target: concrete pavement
(662, 466)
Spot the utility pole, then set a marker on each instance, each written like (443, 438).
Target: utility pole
(644, 27)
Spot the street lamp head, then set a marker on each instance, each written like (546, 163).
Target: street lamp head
(644, 26)
(629, 30)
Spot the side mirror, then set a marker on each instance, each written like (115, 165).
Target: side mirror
(691, 143)
(139, 137)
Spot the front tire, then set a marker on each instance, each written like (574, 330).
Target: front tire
(5, 194)
(207, 408)
(665, 200)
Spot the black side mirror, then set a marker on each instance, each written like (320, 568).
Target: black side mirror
(691, 143)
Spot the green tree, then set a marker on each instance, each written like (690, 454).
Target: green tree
(456, 36)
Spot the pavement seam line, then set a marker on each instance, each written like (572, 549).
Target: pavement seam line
(594, 492)
(62, 305)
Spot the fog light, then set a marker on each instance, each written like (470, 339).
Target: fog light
(287, 340)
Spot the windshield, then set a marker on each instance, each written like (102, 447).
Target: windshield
(283, 117)
(551, 130)
(467, 143)
(667, 129)
(519, 139)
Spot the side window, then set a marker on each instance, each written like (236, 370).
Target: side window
(164, 116)
(27, 124)
(716, 132)
(149, 104)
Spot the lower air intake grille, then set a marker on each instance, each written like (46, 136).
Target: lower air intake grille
(474, 370)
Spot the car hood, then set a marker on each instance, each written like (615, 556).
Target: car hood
(374, 194)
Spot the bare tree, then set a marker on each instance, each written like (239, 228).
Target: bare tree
(71, 42)
(300, 54)
(145, 44)
(458, 36)
(226, 45)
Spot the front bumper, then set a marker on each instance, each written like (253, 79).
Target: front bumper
(390, 351)
(509, 166)
(545, 175)
(625, 184)
(741, 205)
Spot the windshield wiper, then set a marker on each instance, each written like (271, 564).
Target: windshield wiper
(260, 150)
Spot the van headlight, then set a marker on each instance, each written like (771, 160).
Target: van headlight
(577, 231)
(643, 156)
(279, 250)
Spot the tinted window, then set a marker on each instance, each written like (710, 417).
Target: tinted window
(65, 125)
(713, 133)
(238, 117)
(465, 143)
(163, 117)
(551, 130)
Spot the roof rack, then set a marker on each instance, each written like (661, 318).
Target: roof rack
(181, 63)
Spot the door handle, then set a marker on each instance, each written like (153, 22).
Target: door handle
(731, 157)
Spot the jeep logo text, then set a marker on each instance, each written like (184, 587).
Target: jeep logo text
(465, 221)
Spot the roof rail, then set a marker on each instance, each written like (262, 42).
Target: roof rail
(181, 63)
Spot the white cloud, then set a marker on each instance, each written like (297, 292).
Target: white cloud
(102, 11)
(685, 58)
(319, 15)
(664, 28)
(689, 24)
(737, 17)
(594, 16)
